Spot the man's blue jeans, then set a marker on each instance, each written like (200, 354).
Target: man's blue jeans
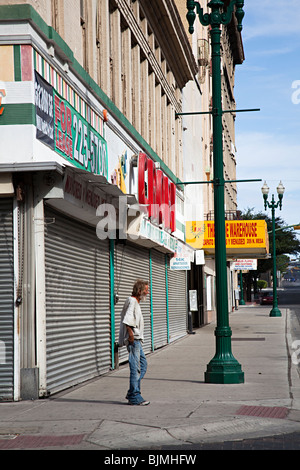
(138, 367)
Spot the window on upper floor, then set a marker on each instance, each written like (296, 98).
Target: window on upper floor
(83, 24)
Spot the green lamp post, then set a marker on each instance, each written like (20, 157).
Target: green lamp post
(223, 368)
(275, 312)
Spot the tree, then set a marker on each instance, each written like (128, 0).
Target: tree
(287, 243)
(261, 284)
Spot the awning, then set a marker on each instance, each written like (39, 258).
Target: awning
(71, 190)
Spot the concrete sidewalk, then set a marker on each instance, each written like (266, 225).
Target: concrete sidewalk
(183, 409)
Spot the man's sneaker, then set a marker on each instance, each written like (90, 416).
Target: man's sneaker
(143, 403)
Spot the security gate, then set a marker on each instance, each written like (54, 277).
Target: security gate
(6, 301)
(77, 302)
(177, 300)
(131, 263)
(159, 299)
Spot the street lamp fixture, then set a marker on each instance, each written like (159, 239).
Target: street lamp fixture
(223, 368)
(275, 312)
(265, 190)
(280, 191)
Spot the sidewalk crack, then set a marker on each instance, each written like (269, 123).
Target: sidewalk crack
(194, 410)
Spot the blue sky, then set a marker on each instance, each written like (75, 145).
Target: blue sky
(268, 142)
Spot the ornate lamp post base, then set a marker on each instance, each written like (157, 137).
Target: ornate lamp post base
(224, 373)
(275, 312)
(223, 368)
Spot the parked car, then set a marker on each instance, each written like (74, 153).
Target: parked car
(266, 298)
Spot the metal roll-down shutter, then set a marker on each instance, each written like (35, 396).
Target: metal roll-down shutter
(6, 301)
(177, 297)
(77, 302)
(131, 263)
(159, 304)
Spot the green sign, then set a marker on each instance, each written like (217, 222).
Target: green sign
(76, 140)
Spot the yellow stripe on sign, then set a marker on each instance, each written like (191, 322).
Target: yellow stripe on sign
(7, 64)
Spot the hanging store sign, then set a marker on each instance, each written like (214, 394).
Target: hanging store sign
(199, 257)
(67, 132)
(244, 265)
(182, 259)
(44, 111)
(157, 193)
(242, 236)
(180, 263)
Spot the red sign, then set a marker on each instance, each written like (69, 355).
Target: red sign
(2, 94)
(157, 192)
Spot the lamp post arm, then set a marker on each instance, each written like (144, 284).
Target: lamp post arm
(191, 15)
(215, 18)
(227, 15)
(272, 205)
(239, 13)
(266, 202)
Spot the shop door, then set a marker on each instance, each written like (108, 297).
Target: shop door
(195, 282)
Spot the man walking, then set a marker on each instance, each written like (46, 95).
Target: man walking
(132, 335)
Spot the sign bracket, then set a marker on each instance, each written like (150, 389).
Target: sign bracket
(214, 111)
(215, 182)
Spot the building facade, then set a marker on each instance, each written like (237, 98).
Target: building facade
(91, 158)
(94, 154)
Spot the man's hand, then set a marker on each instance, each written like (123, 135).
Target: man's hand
(130, 334)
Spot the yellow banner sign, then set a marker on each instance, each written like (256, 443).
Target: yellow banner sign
(240, 235)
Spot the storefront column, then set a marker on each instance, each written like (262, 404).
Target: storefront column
(112, 300)
(151, 298)
(16, 349)
(167, 299)
(39, 236)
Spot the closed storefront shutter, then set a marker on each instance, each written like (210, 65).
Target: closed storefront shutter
(159, 305)
(177, 290)
(77, 302)
(6, 301)
(131, 263)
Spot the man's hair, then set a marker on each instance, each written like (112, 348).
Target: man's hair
(138, 288)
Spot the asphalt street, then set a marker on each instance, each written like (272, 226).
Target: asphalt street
(289, 297)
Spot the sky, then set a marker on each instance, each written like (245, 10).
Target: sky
(268, 141)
